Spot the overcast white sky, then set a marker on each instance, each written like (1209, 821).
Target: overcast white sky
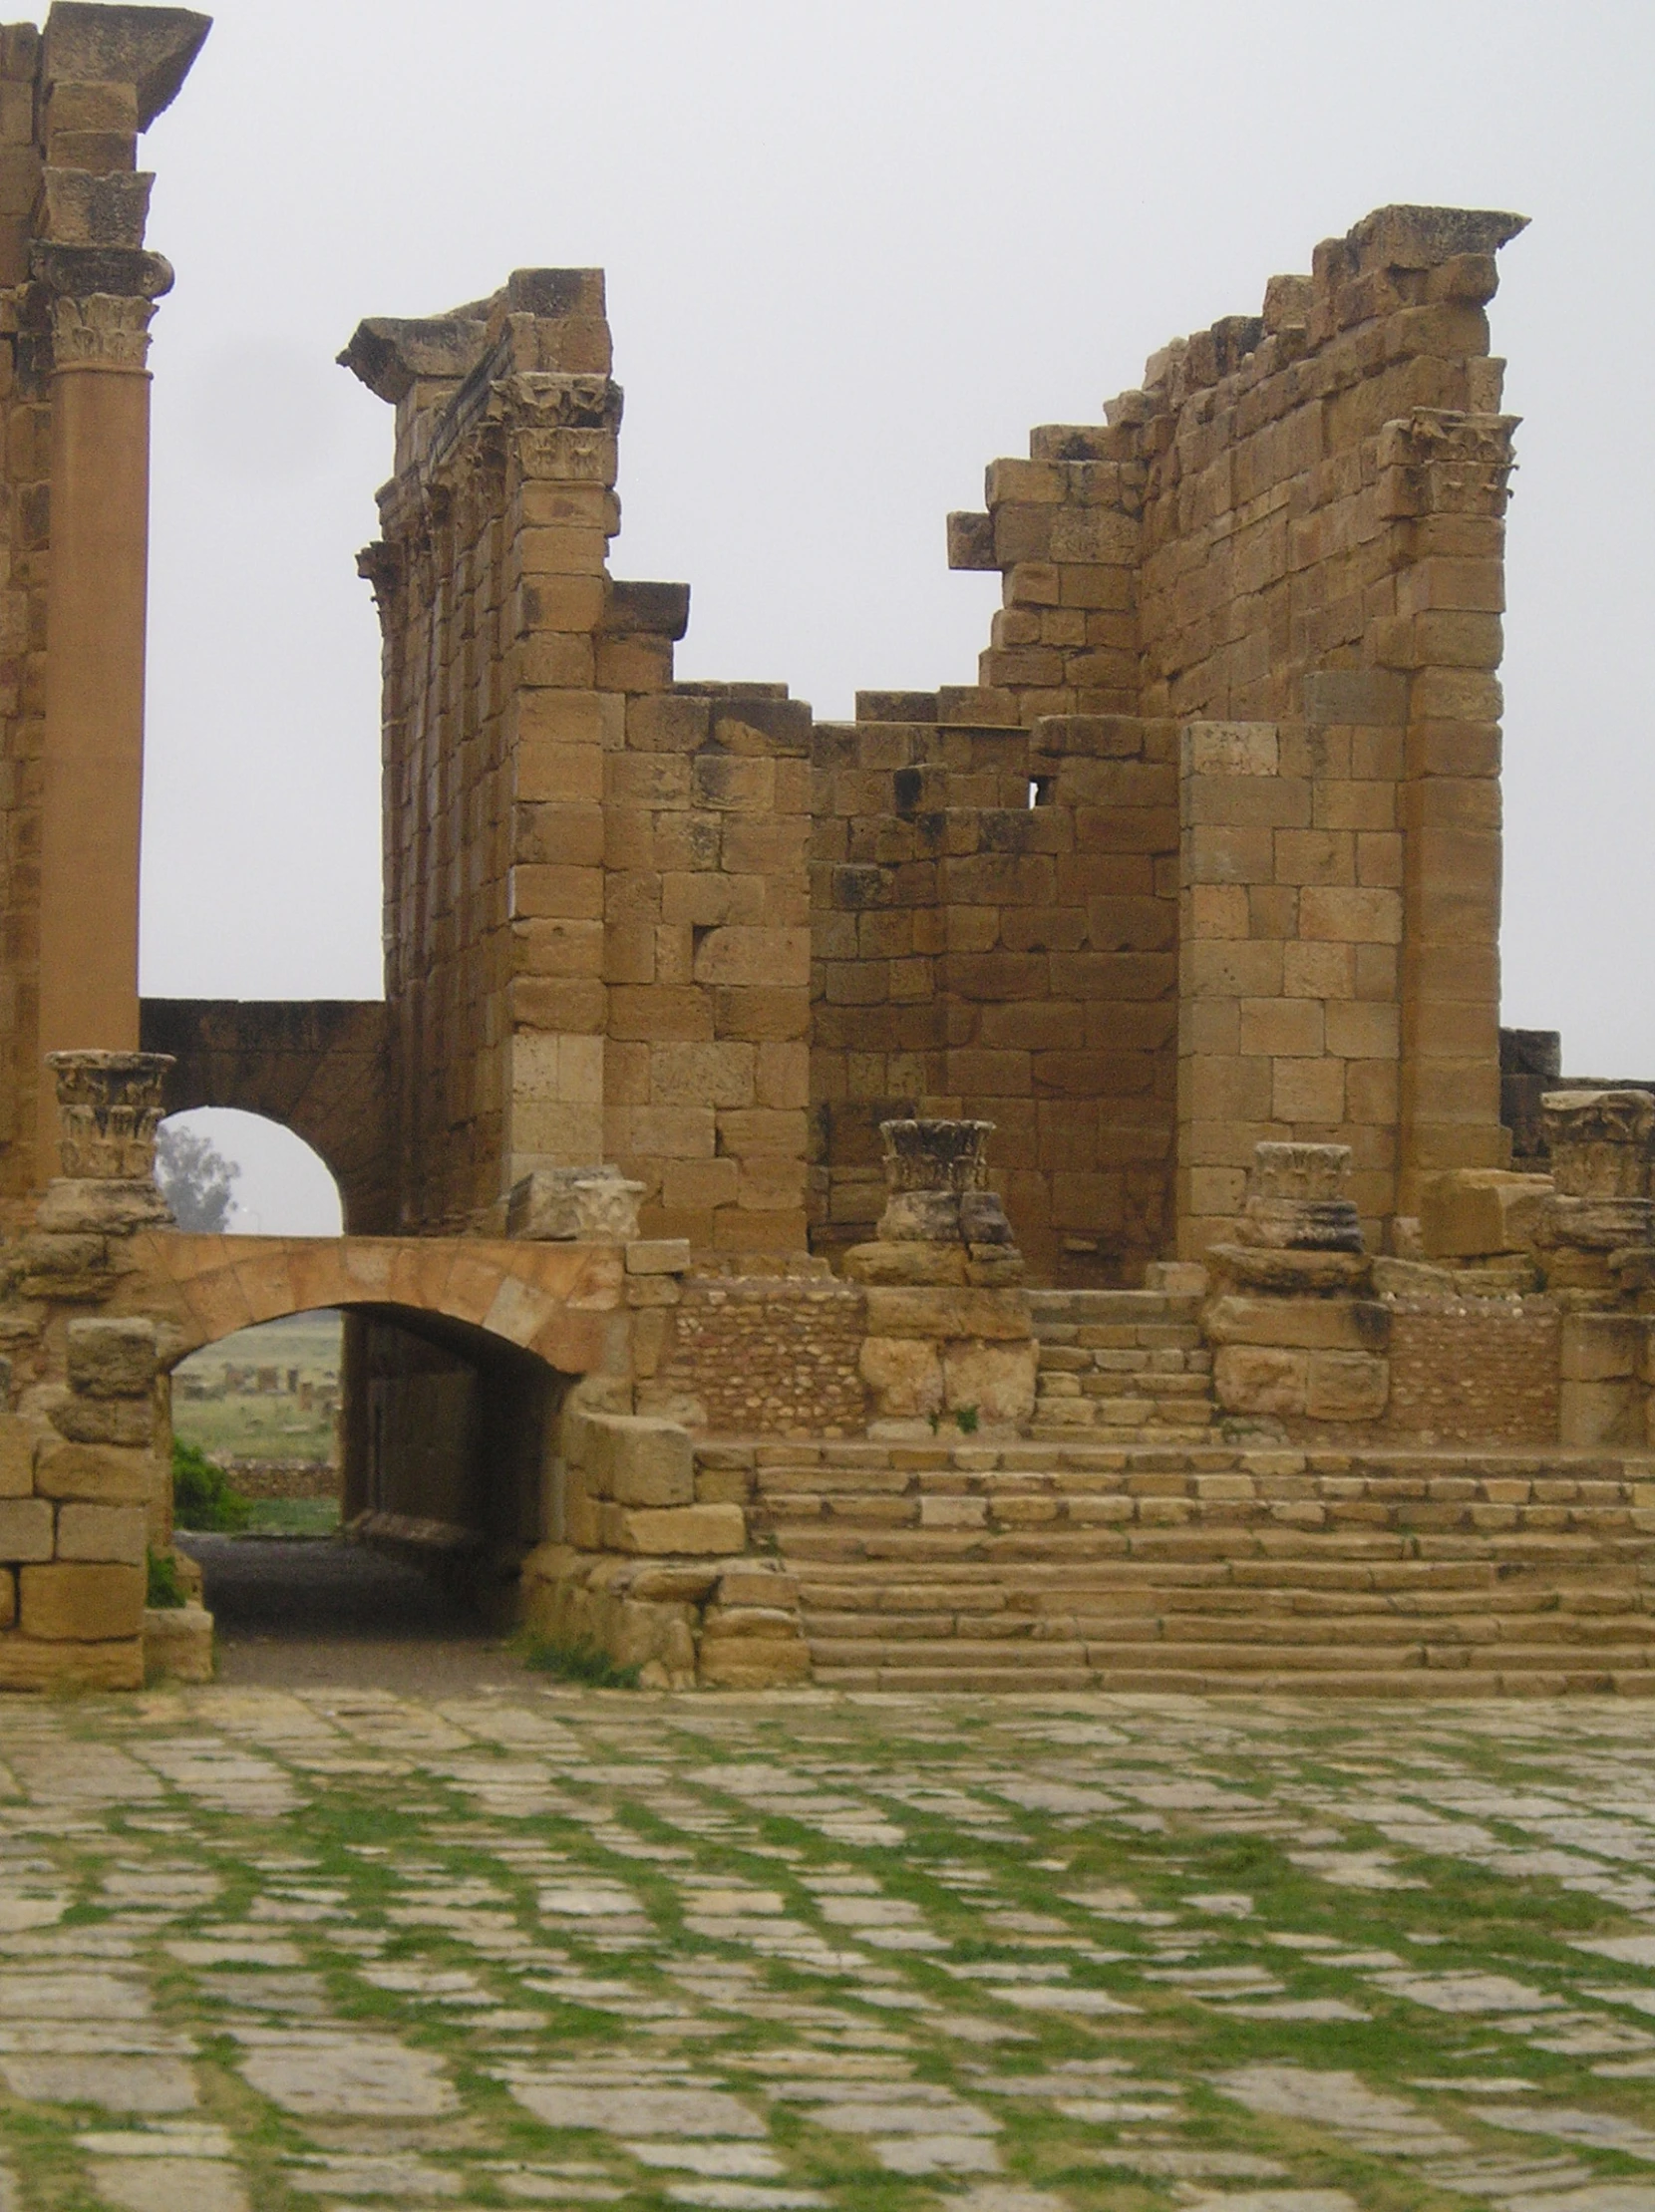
(854, 251)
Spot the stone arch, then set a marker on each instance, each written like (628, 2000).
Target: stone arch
(456, 1357)
(561, 1302)
(317, 1066)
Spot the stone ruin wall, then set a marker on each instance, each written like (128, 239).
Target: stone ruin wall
(1209, 854)
(984, 956)
(1286, 551)
(26, 422)
(596, 909)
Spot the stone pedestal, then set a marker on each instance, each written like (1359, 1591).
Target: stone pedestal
(1482, 1222)
(948, 1323)
(1296, 1334)
(1596, 1242)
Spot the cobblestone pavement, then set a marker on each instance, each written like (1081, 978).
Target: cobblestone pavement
(270, 1949)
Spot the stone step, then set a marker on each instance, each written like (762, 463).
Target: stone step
(1125, 1383)
(1462, 1622)
(914, 1548)
(1223, 1657)
(1611, 1588)
(1007, 1512)
(1435, 1499)
(1180, 1468)
(1510, 1677)
(1173, 1501)
(1080, 1349)
(1396, 1462)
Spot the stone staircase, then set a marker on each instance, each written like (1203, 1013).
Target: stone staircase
(1120, 1363)
(1039, 1565)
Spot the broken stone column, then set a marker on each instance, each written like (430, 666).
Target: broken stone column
(1596, 1242)
(948, 1322)
(1295, 1331)
(596, 1206)
(109, 1108)
(85, 1442)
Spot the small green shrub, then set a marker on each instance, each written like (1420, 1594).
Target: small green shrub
(203, 1496)
(165, 1590)
(965, 1419)
(580, 1662)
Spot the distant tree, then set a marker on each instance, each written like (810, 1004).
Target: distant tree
(195, 1179)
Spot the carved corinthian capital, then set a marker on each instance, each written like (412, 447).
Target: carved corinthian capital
(103, 331)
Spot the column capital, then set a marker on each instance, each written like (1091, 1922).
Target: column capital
(103, 301)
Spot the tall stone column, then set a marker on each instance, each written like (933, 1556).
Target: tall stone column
(106, 74)
(93, 781)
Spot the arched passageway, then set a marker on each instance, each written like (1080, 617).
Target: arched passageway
(456, 1357)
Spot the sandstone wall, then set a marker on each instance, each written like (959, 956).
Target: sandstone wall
(1233, 751)
(762, 1356)
(995, 922)
(24, 521)
(1296, 526)
(595, 896)
(706, 1074)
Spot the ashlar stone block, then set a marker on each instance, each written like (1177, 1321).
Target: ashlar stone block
(110, 1534)
(997, 1378)
(111, 1359)
(1347, 1387)
(1255, 1378)
(25, 1529)
(76, 1603)
(1471, 1212)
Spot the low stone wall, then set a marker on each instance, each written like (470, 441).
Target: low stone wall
(765, 1356)
(650, 1566)
(282, 1478)
(684, 1624)
(1482, 1371)
(84, 1487)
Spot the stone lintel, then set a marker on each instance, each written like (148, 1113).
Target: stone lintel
(151, 49)
(391, 355)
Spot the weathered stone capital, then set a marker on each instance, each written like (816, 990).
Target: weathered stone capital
(1599, 1142)
(595, 1205)
(1295, 1201)
(102, 331)
(79, 271)
(392, 354)
(543, 399)
(109, 1109)
(104, 300)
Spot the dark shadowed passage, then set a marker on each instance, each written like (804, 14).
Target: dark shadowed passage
(306, 1610)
